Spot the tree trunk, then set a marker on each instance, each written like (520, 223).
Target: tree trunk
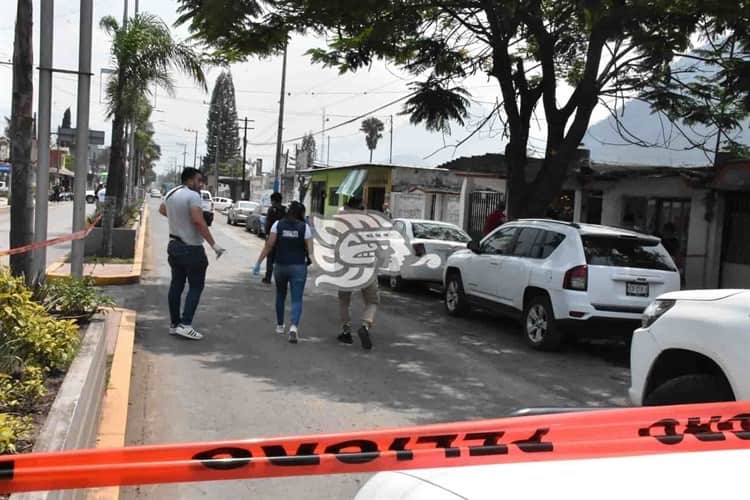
(22, 208)
(115, 182)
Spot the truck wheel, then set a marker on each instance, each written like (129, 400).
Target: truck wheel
(539, 326)
(90, 199)
(455, 299)
(688, 389)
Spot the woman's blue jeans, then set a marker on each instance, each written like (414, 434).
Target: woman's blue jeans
(291, 276)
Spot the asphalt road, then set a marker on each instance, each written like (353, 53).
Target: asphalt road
(244, 381)
(59, 222)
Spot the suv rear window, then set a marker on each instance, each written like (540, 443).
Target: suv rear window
(626, 252)
(439, 232)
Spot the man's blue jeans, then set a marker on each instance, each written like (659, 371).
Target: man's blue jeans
(188, 262)
(294, 277)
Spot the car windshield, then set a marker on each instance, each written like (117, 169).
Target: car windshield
(247, 205)
(206, 195)
(426, 231)
(626, 252)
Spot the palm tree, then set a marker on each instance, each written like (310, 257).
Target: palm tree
(143, 55)
(372, 128)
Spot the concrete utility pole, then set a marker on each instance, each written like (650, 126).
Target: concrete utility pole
(390, 157)
(243, 194)
(195, 151)
(46, 27)
(323, 136)
(281, 124)
(218, 151)
(184, 154)
(82, 139)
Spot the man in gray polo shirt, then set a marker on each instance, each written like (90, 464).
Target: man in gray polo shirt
(187, 258)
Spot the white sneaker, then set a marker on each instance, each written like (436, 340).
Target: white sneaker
(280, 329)
(173, 330)
(188, 332)
(293, 335)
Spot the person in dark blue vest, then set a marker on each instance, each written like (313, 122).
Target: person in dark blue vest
(291, 241)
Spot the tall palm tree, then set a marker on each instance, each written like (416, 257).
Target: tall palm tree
(143, 55)
(372, 127)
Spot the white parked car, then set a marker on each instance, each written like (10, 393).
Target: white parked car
(669, 475)
(239, 212)
(155, 193)
(222, 204)
(207, 205)
(425, 237)
(693, 347)
(559, 277)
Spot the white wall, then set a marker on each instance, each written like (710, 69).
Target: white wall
(408, 205)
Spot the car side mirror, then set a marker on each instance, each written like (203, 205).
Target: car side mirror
(473, 245)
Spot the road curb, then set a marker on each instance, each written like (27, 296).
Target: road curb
(132, 277)
(114, 414)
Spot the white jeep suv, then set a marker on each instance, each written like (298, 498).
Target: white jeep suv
(561, 276)
(693, 347)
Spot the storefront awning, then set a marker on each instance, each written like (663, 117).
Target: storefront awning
(64, 171)
(352, 182)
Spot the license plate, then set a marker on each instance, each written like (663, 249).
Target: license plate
(637, 289)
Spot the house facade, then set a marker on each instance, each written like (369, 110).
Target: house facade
(412, 192)
(706, 209)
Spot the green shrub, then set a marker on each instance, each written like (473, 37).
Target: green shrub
(12, 429)
(20, 393)
(67, 297)
(32, 344)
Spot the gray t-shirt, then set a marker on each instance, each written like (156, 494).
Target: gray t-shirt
(179, 202)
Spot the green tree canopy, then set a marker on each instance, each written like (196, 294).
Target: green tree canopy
(222, 136)
(559, 57)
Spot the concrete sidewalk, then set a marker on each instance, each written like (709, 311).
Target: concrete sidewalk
(112, 274)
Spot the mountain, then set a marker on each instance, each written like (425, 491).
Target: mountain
(638, 120)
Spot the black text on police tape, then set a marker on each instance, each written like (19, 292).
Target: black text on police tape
(358, 451)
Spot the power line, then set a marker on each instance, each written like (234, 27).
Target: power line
(347, 122)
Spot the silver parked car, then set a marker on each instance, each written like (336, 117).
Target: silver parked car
(238, 212)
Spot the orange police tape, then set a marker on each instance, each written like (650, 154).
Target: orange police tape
(54, 241)
(597, 434)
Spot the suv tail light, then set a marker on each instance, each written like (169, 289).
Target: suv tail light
(419, 249)
(577, 279)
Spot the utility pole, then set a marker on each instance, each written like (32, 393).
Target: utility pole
(195, 151)
(323, 136)
(47, 23)
(281, 124)
(244, 157)
(184, 154)
(328, 150)
(390, 157)
(218, 148)
(82, 139)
